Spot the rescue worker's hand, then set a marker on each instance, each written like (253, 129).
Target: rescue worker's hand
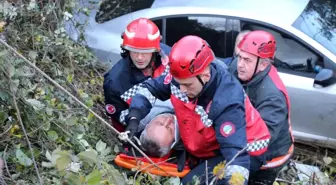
(132, 127)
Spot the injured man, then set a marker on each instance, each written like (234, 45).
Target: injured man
(159, 138)
(159, 130)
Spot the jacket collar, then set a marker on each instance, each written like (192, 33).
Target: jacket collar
(258, 77)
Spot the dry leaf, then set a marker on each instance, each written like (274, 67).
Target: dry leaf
(237, 179)
(219, 170)
(2, 26)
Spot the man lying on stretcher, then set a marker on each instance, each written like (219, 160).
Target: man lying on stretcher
(160, 140)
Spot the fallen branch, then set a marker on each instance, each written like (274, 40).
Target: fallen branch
(6, 166)
(18, 114)
(288, 182)
(6, 131)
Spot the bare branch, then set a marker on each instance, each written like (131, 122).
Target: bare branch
(155, 164)
(18, 114)
(6, 130)
(4, 159)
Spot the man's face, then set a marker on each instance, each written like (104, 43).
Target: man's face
(246, 65)
(141, 60)
(162, 130)
(191, 86)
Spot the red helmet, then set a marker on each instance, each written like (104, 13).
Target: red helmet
(259, 43)
(141, 35)
(189, 57)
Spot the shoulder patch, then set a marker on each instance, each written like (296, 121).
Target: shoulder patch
(110, 109)
(168, 79)
(227, 129)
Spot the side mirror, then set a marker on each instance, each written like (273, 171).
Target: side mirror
(324, 78)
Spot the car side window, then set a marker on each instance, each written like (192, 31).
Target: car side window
(219, 32)
(159, 24)
(291, 55)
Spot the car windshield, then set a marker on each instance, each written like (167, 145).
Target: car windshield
(111, 9)
(318, 21)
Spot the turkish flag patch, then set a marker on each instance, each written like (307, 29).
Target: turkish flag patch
(110, 109)
(227, 129)
(168, 79)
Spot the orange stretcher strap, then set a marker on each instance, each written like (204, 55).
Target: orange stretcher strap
(168, 169)
(278, 161)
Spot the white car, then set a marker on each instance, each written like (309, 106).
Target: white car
(305, 31)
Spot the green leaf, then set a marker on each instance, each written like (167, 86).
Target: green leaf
(75, 167)
(70, 78)
(37, 105)
(94, 177)
(90, 116)
(52, 135)
(100, 146)
(327, 160)
(89, 102)
(172, 181)
(62, 162)
(89, 157)
(4, 95)
(84, 143)
(23, 158)
(46, 126)
(3, 53)
(47, 164)
(49, 111)
(114, 175)
(73, 179)
(10, 70)
(3, 116)
(14, 85)
(24, 71)
(32, 54)
(48, 156)
(116, 149)
(71, 121)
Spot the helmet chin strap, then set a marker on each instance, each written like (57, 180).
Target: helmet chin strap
(200, 80)
(203, 84)
(255, 69)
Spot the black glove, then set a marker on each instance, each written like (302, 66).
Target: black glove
(132, 127)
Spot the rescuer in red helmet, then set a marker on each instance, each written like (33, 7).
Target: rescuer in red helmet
(260, 79)
(142, 58)
(210, 107)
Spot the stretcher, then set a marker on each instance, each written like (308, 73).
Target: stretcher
(142, 164)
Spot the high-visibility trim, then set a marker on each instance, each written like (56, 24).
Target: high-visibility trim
(166, 168)
(278, 161)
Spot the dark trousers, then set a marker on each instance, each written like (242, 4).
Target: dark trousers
(259, 177)
(200, 171)
(263, 177)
